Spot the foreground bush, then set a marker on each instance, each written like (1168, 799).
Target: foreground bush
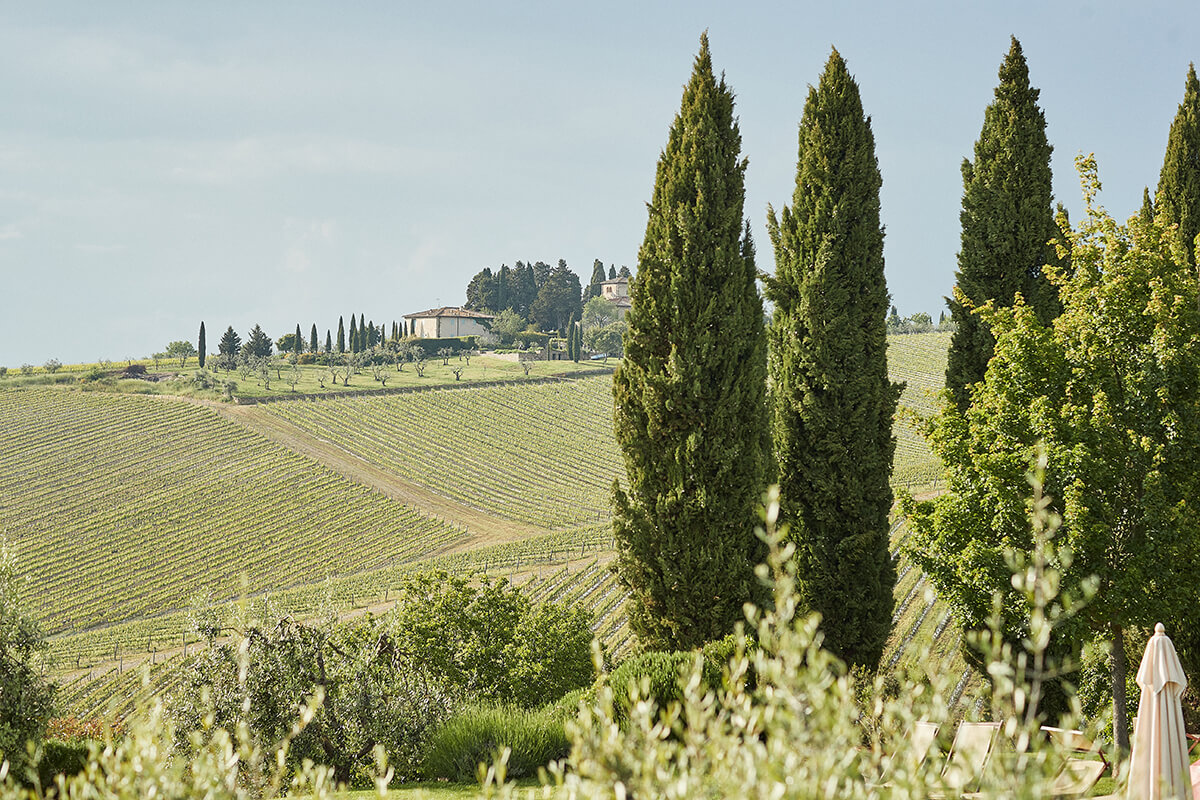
(391, 680)
(798, 730)
(474, 735)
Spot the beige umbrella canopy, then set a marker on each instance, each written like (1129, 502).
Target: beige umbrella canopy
(1159, 768)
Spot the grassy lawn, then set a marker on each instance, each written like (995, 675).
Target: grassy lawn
(434, 790)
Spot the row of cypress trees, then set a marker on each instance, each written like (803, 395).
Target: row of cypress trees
(701, 435)
(700, 431)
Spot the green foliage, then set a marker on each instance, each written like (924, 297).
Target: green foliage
(341, 336)
(598, 277)
(558, 299)
(202, 346)
(832, 402)
(475, 734)
(491, 642)
(806, 727)
(690, 413)
(1007, 223)
(230, 344)
(1111, 390)
(507, 324)
(1178, 197)
(258, 344)
(662, 676)
(62, 758)
(26, 697)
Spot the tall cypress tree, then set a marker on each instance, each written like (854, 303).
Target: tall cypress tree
(831, 401)
(298, 344)
(313, 344)
(328, 341)
(362, 333)
(202, 346)
(690, 404)
(1007, 223)
(341, 340)
(1178, 199)
(353, 334)
(598, 277)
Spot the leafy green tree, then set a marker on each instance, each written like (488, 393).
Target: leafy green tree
(286, 343)
(624, 272)
(341, 340)
(1007, 223)
(608, 339)
(183, 350)
(598, 313)
(259, 344)
(202, 347)
(598, 277)
(1109, 390)
(508, 323)
(1179, 181)
(26, 697)
(313, 344)
(690, 405)
(525, 289)
(831, 401)
(481, 291)
(558, 299)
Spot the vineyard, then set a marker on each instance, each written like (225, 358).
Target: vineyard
(122, 506)
(129, 512)
(543, 454)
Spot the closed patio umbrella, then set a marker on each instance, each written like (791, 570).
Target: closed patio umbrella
(1159, 768)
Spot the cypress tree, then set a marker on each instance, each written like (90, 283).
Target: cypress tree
(341, 343)
(690, 404)
(1007, 223)
(202, 345)
(353, 334)
(598, 277)
(298, 345)
(612, 272)
(571, 339)
(831, 401)
(328, 341)
(362, 333)
(313, 345)
(1147, 211)
(1178, 198)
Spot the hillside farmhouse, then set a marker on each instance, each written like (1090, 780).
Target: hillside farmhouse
(447, 322)
(616, 292)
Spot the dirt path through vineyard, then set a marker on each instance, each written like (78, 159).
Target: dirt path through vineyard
(483, 528)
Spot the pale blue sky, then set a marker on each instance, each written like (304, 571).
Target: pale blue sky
(276, 163)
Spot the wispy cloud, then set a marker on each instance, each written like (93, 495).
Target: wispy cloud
(305, 241)
(224, 163)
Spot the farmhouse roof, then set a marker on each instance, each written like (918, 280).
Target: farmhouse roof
(450, 311)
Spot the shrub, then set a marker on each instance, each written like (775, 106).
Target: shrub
(455, 344)
(27, 369)
(656, 675)
(475, 734)
(52, 366)
(61, 758)
(135, 371)
(3, 371)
